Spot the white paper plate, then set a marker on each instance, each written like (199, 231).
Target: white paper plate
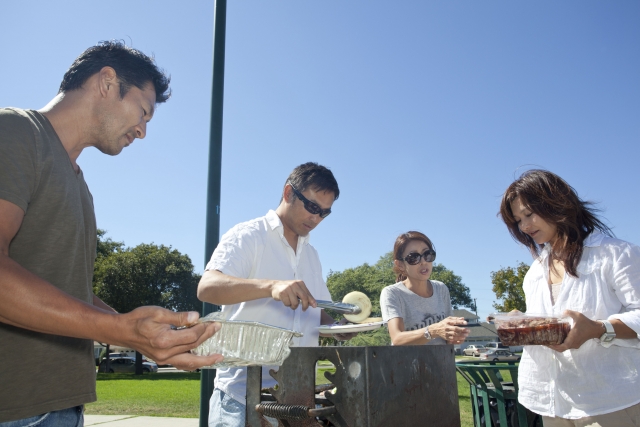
(348, 329)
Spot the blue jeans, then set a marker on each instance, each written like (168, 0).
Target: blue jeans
(71, 417)
(224, 411)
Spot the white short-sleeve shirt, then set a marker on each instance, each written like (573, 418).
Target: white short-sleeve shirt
(257, 249)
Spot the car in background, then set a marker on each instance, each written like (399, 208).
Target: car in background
(496, 346)
(115, 355)
(500, 346)
(474, 350)
(129, 355)
(125, 365)
(500, 355)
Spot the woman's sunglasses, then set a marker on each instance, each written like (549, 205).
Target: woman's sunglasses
(414, 258)
(311, 207)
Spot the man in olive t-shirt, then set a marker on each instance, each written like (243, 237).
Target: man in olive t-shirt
(49, 315)
(59, 221)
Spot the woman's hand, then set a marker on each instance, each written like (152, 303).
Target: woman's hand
(450, 330)
(583, 329)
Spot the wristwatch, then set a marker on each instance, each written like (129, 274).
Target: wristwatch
(609, 334)
(428, 336)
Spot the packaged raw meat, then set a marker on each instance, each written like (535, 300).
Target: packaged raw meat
(516, 328)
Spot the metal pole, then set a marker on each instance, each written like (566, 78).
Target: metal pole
(213, 181)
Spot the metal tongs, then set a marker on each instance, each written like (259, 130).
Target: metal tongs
(339, 307)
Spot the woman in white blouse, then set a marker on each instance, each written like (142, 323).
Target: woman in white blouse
(580, 270)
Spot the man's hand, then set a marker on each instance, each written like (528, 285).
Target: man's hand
(292, 293)
(149, 330)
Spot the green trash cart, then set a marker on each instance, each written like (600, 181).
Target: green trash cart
(494, 395)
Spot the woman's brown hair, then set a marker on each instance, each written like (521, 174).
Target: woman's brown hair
(401, 244)
(555, 201)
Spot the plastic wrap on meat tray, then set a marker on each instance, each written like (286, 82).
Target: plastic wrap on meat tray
(530, 329)
(245, 343)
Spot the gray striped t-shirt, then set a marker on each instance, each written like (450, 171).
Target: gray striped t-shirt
(417, 312)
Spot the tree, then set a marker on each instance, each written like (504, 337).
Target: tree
(368, 279)
(147, 275)
(371, 279)
(459, 292)
(107, 247)
(507, 285)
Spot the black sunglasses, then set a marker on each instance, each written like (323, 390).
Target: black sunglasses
(311, 207)
(414, 258)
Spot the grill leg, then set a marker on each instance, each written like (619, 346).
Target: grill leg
(254, 385)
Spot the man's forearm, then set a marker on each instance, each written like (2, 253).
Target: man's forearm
(219, 288)
(29, 302)
(32, 303)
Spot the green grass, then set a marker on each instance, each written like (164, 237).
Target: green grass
(157, 395)
(464, 400)
(178, 395)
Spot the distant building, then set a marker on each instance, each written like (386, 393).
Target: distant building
(481, 332)
(468, 316)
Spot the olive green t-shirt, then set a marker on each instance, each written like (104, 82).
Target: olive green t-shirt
(57, 242)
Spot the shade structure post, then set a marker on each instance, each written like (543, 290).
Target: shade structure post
(212, 236)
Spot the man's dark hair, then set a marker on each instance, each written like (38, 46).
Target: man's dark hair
(133, 68)
(315, 176)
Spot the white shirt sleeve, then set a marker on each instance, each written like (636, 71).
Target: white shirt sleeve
(624, 278)
(236, 253)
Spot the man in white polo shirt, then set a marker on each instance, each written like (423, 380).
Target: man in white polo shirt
(265, 270)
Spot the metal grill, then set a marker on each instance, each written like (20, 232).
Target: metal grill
(376, 387)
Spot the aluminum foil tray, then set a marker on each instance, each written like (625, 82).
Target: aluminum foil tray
(244, 343)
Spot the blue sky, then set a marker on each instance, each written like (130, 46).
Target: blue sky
(425, 111)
